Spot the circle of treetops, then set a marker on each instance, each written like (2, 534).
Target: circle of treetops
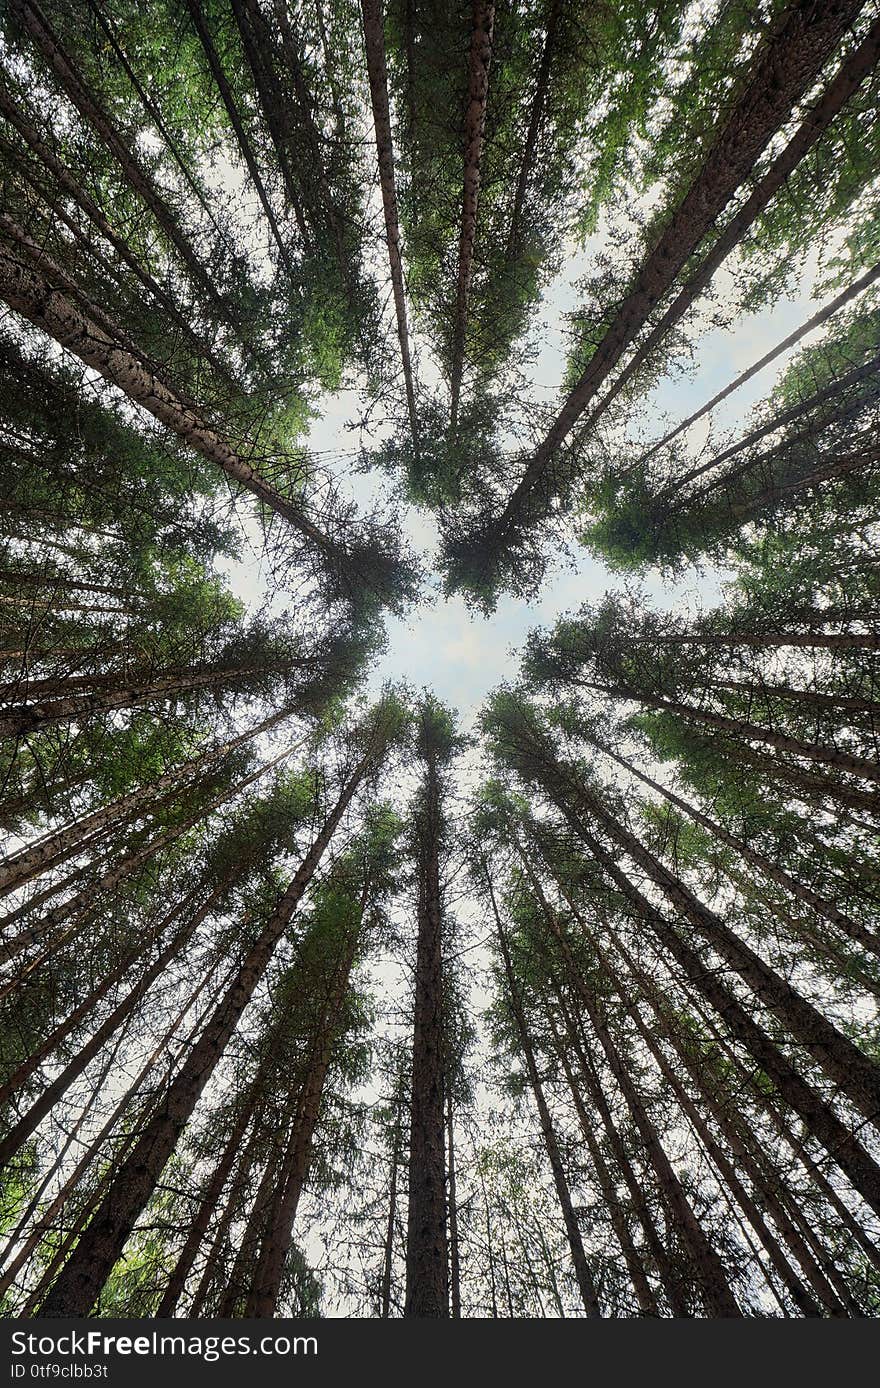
(319, 997)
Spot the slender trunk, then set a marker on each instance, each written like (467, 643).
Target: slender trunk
(121, 693)
(61, 583)
(32, 295)
(311, 170)
(48, 1177)
(782, 1125)
(152, 110)
(267, 87)
(264, 1291)
(327, 55)
(251, 1238)
(836, 389)
(709, 1272)
(771, 1192)
(830, 471)
(820, 640)
(454, 1266)
(82, 906)
(668, 1273)
(820, 904)
(71, 1072)
(249, 1157)
(388, 1255)
(92, 999)
(72, 1183)
(845, 82)
(582, 1272)
(811, 698)
(62, 176)
(207, 1208)
(226, 95)
(122, 150)
(427, 1293)
(86, 1271)
(474, 129)
(751, 732)
(809, 788)
(491, 1253)
(816, 321)
(374, 39)
(37, 858)
(641, 1286)
(730, 1174)
(784, 69)
(816, 1113)
(857, 1075)
(536, 117)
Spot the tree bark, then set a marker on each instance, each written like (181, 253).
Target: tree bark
(227, 97)
(845, 82)
(845, 297)
(820, 904)
(374, 39)
(30, 862)
(474, 129)
(86, 1271)
(857, 1075)
(71, 1072)
(427, 1292)
(641, 1286)
(584, 1277)
(136, 176)
(801, 43)
(32, 295)
(815, 1112)
(454, 1261)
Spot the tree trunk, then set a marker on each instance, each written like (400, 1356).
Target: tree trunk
(820, 904)
(263, 1295)
(92, 1151)
(427, 1293)
(32, 295)
(731, 1175)
(92, 999)
(839, 413)
(388, 1254)
(267, 87)
(709, 1271)
(641, 1286)
(474, 128)
(815, 1112)
(857, 287)
(249, 1157)
(65, 180)
(788, 63)
(845, 82)
(71, 1072)
(140, 181)
(582, 1272)
(241, 135)
(454, 1264)
(82, 905)
(374, 39)
(857, 1075)
(207, 1208)
(536, 117)
(37, 858)
(86, 1271)
(751, 732)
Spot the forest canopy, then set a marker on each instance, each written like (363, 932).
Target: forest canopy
(321, 996)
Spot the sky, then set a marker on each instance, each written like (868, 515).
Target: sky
(460, 656)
